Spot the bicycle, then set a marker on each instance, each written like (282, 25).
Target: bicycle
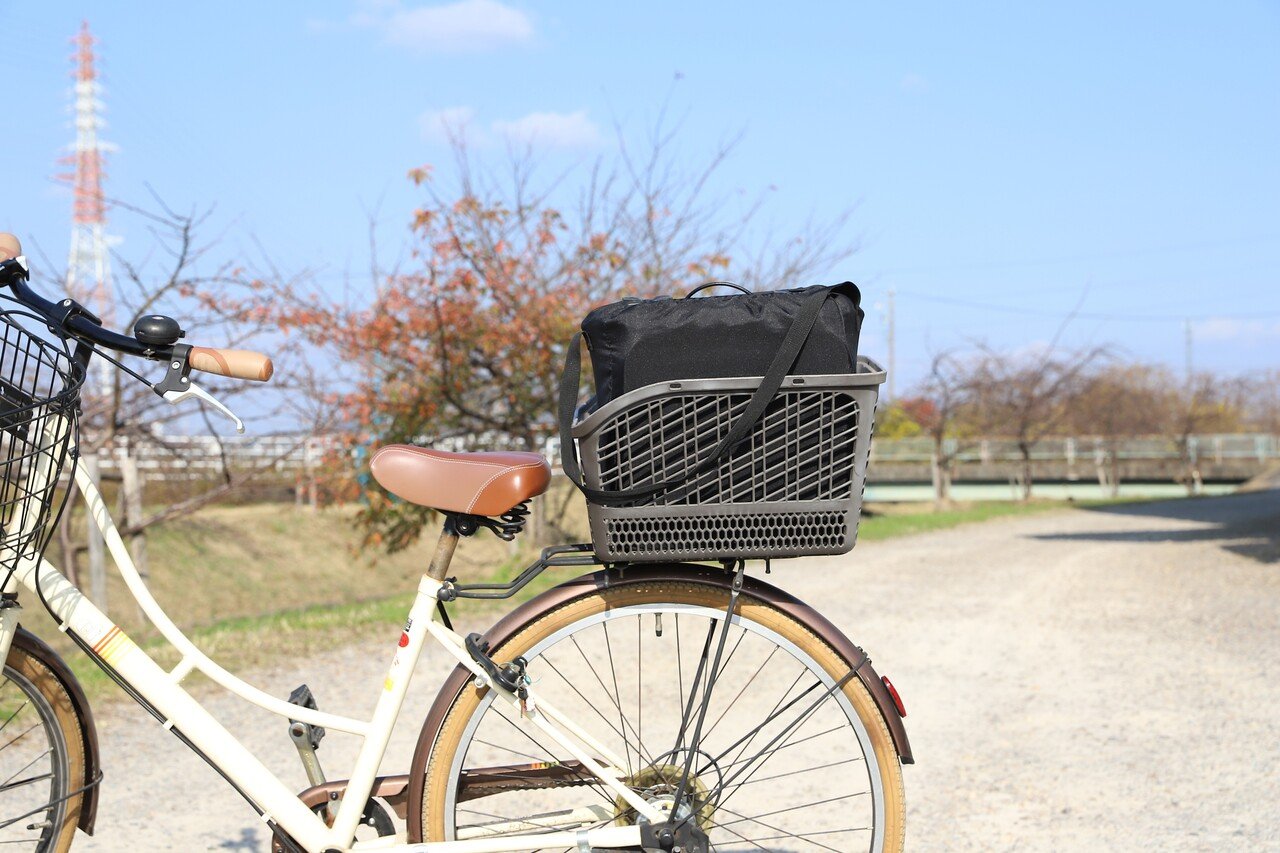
(686, 707)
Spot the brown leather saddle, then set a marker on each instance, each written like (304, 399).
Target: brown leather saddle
(487, 483)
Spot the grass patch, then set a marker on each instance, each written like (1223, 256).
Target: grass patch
(248, 642)
(893, 520)
(257, 585)
(254, 641)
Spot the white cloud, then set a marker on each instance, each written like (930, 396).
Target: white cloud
(462, 27)
(544, 130)
(553, 130)
(1233, 329)
(449, 123)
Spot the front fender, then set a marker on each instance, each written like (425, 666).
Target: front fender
(41, 651)
(508, 625)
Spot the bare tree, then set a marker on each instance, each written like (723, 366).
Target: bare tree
(943, 395)
(182, 274)
(1027, 397)
(1204, 404)
(1120, 401)
(1260, 399)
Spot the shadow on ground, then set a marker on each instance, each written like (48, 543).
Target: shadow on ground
(1247, 524)
(248, 840)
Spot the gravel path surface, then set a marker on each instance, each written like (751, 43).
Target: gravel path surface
(1078, 680)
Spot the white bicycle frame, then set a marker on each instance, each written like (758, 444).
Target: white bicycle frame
(276, 803)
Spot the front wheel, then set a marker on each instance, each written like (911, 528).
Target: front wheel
(794, 754)
(42, 758)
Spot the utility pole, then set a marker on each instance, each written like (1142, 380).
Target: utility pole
(88, 266)
(892, 365)
(1187, 330)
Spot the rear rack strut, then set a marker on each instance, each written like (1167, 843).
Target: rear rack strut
(556, 556)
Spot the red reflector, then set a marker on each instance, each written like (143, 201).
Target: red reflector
(404, 641)
(893, 691)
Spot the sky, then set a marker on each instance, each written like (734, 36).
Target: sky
(1007, 163)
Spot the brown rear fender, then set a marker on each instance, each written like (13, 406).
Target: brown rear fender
(510, 624)
(40, 650)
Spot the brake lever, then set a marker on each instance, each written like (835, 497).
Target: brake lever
(177, 385)
(193, 390)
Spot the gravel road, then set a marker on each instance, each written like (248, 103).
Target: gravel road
(1077, 680)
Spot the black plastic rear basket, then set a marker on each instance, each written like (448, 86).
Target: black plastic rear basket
(39, 400)
(792, 488)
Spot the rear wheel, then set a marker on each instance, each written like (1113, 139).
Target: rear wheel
(794, 754)
(41, 758)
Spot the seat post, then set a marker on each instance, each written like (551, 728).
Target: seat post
(444, 550)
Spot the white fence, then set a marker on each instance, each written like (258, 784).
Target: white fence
(186, 456)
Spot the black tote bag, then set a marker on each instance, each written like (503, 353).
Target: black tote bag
(773, 334)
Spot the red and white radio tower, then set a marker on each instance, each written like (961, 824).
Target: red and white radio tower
(89, 267)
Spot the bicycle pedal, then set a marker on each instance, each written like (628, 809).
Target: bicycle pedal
(303, 698)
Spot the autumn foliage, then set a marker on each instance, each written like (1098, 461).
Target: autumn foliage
(462, 347)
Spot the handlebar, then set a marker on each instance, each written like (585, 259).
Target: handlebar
(82, 326)
(236, 363)
(73, 320)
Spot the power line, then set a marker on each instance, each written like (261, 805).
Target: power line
(1179, 248)
(1083, 315)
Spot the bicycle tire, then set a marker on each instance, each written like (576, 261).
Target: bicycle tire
(39, 731)
(626, 602)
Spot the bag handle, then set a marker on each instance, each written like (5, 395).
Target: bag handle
(788, 352)
(702, 287)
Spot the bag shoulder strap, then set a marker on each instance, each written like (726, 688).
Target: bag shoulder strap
(801, 325)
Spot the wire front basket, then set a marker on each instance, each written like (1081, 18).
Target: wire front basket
(39, 409)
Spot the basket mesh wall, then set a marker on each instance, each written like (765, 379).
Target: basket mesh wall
(801, 450)
(792, 487)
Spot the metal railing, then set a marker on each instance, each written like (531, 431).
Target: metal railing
(183, 456)
(1259, 447)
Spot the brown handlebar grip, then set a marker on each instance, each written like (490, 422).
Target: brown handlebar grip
(236, 363)
(10, 246)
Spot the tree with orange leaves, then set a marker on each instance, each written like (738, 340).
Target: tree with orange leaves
(462, 348)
